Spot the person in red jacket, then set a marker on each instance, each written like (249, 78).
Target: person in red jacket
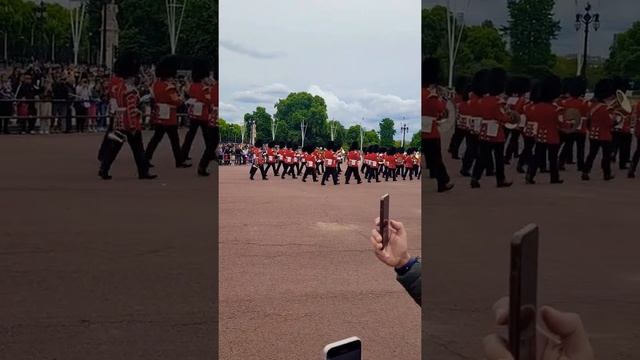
(258, 161)
(331, 163)
(517, 88)
(601, 123)
(309, 154)
(433, 110)
(125, 101)
(462, 125)
(390, 164)
(408, 164)
(622, 137)
(164, 113)
(470, 110)
(280, 157)
(353, 157)
(289, 161)
(200, 112)
(271, 158)
(545, 114)
(636, 155)
(371, 159)
(492, 136)
(114, 82)
(577, 87)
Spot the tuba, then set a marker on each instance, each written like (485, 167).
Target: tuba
(447, 123)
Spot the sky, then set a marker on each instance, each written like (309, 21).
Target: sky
(361, 56)
(615, 16)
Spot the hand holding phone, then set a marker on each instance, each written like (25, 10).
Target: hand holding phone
(347, 349)
(384, 220)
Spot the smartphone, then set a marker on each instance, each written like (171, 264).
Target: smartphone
(384, 220)
(347, 349)
(523, 293)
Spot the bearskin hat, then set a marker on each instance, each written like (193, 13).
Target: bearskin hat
(604, 89)
(354, 146)
(462, 86)
(550, 88)
(282, 144)
(577, 86)
(518, 85)
(294, 147)
(258, 143)
(536, 93)
(430, 71)
(331, 145)
(271, 144)
(479, 83)
(167, 67)
(621, 83)
(200, 70)
(497, 81)
(127, 66)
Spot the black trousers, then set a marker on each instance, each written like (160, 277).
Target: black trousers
(27, 125)
(581, 142)
(433, 156)
(487, 152)
(538, 158)
(111, 148)
(255, 168)
(272, 166)
(594, 148)
(363, 167)
(352, 171)
(289, 169)
(566, 148)
(513, 144)
(408, 171)
(390, 173)
(622, 147)
(470, 153)
(209, 135)
(309, 171)
(334, 175)
(174, 138)
(456, 141)
(372, 173)
(527, 151)
(194, 125)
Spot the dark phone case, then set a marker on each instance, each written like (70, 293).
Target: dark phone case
(523, 293)
(384, 220)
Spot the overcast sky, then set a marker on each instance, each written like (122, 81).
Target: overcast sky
(616, 16)
(362, 56)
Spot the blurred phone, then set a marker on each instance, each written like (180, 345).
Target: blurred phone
(347, 349)
(384, 220)
(523, 293)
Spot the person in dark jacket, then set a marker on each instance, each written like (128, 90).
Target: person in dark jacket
(396, 254)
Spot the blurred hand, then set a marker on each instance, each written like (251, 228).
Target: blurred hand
(572, 341)
(396, 252)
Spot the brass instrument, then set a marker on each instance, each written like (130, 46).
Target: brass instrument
(571, 117)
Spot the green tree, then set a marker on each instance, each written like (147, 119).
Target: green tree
(531, 28)
(624, 58)
(434, 31)
(387, 132)
(371, 137)
(263, 121)
(299, 107)
(481, 47)
(352, 134)
(416, 140)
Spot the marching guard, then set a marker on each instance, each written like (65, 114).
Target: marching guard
(331, 163)
(353, 157)
(601, 122)
(258, 161)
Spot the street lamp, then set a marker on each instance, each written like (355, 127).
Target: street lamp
(40, 14)
(404, 130)
(586, 19)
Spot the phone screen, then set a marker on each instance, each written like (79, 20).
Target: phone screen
(523, 293)
(349, 351)
(384, 220)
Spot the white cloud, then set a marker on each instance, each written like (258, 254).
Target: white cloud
(245, 50)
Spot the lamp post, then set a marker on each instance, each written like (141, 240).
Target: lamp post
(40, 14)
(586, 19)
(404, 130)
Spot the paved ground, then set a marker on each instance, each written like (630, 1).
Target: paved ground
(588, 258)
(103, 270)
(297, 272)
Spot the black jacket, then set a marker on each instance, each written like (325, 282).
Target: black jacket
(412, 281)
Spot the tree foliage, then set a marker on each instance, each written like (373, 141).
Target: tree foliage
(303, 107)
(624, 58)
(387, 132)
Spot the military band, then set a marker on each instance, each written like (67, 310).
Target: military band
(552, 116)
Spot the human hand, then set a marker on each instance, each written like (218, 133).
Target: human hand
(396, 252)
(567, 340)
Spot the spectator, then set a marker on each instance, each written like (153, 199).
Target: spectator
(62, 96)
(26, 109)
(44, 105)
(6, 104)
(83, 103)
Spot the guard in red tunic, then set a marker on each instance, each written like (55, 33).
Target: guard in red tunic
(280, 156)
(271, 158)
(462, 126)
(529, 130)
(407, 160)
(545, 114)
(289, 161)
(112, 87)
(577, 87)
(622, 137)
(636, 155)
(125, 101)
(470, 111)
(200, 112)
(517, 88)
(372, 164)
(258, 161)
(601, 122)
(310, 163)
(390, 164)
(331, 163)
(433, 110)
(164, 111)
(492, 137)
(353, 157)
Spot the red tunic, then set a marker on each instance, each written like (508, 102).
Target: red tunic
(330, 159)
(271, 156)
(310, 160)
(494, 117)
(289, 156)
(257, 153)
(601, 122)
(213, 118)
(545, 116)
(434, 108)
(390, 161)
(200, 109)
(127, 116)
(352, 158)
(166, 101)
(408, 161)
